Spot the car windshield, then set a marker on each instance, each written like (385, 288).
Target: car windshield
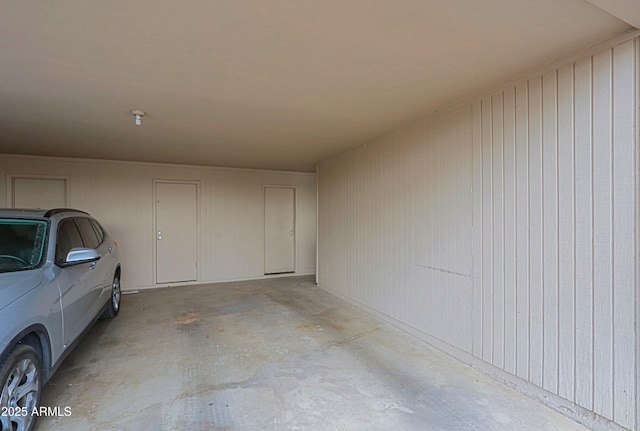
(21, 244)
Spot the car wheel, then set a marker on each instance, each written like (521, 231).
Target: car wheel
(21, 379)
(114, 305)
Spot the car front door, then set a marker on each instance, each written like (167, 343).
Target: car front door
(79, 284)
(103, 267)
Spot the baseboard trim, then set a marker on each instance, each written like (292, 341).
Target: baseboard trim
(230, 280)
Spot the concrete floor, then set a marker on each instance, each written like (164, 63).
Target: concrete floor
(276, 354)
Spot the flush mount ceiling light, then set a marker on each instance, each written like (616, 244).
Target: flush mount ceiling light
(138, 114)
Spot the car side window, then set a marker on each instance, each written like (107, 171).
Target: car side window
(68, 237)
(98, 229)
(89, 236)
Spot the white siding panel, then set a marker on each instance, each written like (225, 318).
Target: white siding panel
(603, 236)
(510, 234)
(522, 232)
(624, 213)
(566, 235)
(584, 232)
(497, 227)
(487, 232)
(536, 207)
(507, 229)
(477, 231)
(550, 231)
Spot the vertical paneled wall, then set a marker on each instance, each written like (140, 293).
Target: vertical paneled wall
(230, 208)
(556, 217)
(506, 228)
(395, 226)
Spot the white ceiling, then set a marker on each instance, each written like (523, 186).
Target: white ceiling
(276, 85)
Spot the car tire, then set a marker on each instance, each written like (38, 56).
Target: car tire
(116, 295)
(21, 380)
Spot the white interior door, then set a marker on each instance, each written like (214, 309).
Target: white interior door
(39, 193)
(176, 232)
(279, 230)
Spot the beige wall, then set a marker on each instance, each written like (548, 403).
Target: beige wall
(120, 195)
(504, 231)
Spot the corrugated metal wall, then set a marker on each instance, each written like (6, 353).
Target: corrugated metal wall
(506, 229)
(230, 217)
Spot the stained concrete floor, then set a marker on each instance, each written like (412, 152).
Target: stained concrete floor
(275, 354)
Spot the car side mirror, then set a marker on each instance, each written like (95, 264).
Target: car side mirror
(78, 255)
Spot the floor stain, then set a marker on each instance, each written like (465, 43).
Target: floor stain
(188, 318)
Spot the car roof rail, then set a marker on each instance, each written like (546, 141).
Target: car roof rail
(55, 211)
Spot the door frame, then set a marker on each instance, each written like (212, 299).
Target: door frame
(295, 228)
(12, 177)
(155, 230)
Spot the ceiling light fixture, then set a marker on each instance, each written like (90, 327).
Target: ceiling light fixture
(138, 114)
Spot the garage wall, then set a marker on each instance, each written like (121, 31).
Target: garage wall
(504, 232)
(120, 195)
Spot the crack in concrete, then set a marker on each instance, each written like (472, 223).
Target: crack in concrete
(352, 338)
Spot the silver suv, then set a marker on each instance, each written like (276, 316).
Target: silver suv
(59, 273)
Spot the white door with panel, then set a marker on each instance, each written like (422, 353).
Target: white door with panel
(176, 232)
(39, 192)
(279, 230)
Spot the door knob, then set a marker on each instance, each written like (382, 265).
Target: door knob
(159, 235)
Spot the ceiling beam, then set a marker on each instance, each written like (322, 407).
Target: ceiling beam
(625, 10)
